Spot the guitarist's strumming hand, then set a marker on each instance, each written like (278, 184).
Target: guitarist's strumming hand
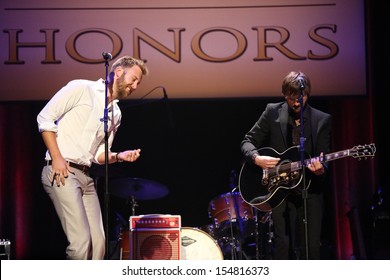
(316, 166)
(265, 162)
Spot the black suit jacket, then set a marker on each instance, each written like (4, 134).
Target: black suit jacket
(270, 130)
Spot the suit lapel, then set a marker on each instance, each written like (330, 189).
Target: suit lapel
(283, 120)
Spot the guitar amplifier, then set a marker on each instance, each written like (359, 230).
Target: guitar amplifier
(155, 237)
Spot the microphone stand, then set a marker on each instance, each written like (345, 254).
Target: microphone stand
(302, 154)
(106, 57)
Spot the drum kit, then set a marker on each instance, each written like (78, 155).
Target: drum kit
(239, 228)
(236, 230)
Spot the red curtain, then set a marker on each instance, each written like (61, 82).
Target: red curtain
(16, 163)
(353, 180)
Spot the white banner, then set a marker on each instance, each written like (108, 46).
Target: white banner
(194, 49)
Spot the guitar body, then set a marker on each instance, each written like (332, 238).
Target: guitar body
(266, 189)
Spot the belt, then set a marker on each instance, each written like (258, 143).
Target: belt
(83, 168)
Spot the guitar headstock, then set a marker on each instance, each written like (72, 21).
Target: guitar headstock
(363, 151)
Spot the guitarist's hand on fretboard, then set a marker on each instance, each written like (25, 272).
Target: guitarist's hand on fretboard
(316, 166)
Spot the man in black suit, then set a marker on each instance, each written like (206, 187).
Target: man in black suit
(277, 133)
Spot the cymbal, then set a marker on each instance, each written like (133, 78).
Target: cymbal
(141, 189)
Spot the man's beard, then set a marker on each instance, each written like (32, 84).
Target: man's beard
(121, 87)
(294, 112)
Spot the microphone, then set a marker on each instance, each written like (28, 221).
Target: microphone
(301, 82)
(168, 106)
(107, 56)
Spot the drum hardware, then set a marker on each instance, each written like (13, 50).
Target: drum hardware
(209, 228)
(236, 244)
(270, 235)
(119, 247)
(231, 248)
(133, 204)
(264, 227)
(233, 221)
(237, 247)
(242, 232)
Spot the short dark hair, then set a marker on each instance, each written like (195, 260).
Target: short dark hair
(290, 85)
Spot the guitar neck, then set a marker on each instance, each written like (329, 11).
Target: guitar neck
(326, 158)
(361, 151)
(333, 156)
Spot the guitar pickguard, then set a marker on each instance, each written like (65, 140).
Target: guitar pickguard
(281, 176)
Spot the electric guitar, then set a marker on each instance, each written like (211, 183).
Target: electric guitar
(267, 188)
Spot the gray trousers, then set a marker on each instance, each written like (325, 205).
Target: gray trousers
(78, 208)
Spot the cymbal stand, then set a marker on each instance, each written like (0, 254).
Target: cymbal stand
(233, 247)
(239, 219)
(134, 204)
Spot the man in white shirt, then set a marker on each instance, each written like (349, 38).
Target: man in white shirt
(73, 131)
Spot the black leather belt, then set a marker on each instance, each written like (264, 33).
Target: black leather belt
(83, 168)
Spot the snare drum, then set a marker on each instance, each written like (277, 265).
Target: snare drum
(198, 245)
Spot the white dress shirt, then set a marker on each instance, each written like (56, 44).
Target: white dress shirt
(76, 114)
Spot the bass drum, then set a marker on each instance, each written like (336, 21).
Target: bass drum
(198, 245)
